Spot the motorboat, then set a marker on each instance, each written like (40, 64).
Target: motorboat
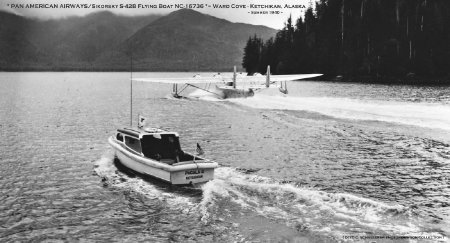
(157, 153)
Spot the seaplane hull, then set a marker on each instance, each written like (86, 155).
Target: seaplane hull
(182, 173)
(230, 92)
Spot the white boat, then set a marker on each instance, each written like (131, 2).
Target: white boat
(157, 153)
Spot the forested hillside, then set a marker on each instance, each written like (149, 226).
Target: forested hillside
(374, 40)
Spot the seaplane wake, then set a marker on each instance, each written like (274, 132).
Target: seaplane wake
(428, 115)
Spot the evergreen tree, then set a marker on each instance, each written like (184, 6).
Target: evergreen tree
(377, 39)
(252, 54)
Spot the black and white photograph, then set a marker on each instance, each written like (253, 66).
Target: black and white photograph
(225, 121)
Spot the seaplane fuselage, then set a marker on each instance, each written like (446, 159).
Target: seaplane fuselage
(228, 92)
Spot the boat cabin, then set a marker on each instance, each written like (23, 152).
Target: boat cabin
(155, 144)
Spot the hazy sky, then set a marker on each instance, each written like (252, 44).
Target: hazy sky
(232, 14)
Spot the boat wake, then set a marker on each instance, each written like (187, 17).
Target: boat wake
(428, 115)
(233, 195)
(112, 176)
(307, 210)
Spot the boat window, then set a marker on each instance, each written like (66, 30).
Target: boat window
(133, 144)
(119, 137)
(166, 147)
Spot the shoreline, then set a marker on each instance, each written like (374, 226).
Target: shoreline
(387, 80)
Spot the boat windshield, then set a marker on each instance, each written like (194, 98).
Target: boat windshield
(166, 147)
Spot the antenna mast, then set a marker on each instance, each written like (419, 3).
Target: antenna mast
(131, 84)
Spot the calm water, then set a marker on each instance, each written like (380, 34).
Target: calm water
(327, 162)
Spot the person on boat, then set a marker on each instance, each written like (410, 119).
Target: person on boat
(174, 150)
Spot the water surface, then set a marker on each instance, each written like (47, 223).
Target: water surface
(328, 160)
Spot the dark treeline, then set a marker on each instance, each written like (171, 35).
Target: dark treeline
(376, 40)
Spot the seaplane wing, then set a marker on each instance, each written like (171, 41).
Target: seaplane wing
(278, 78)
(224, 79)
(189, 80)
(274, 78)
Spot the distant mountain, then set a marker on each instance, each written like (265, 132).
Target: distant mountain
(15, 48)
(183, 40)
(72, 43)
(189, 40)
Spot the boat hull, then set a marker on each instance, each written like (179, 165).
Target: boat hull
(177, 174)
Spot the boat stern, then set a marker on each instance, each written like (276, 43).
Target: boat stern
(192, 176)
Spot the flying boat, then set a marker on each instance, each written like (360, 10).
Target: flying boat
(225, 87)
